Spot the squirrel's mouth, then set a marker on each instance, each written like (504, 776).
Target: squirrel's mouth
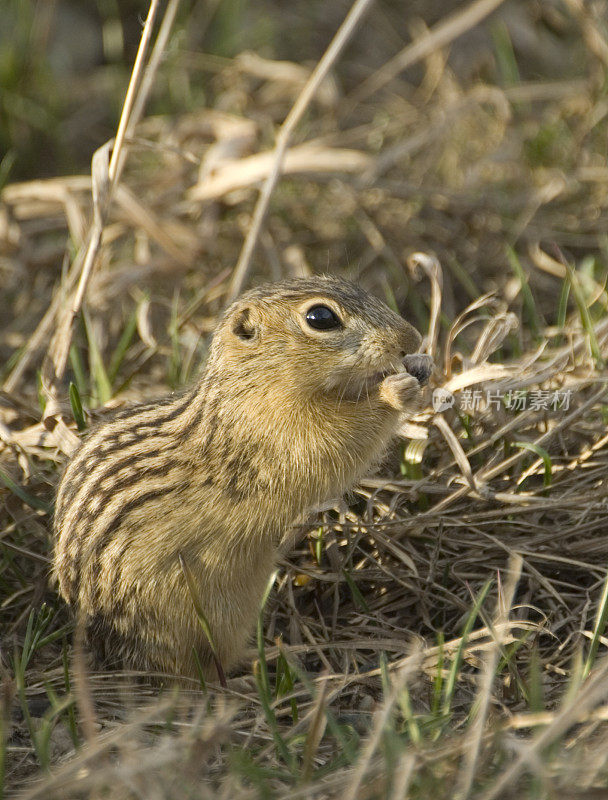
(377, 377)
(418, 365)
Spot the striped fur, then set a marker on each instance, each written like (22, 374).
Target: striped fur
(281, 420)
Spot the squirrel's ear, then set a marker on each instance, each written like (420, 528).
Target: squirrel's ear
(243, 325)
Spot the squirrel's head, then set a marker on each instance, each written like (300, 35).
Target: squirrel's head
(310, 336)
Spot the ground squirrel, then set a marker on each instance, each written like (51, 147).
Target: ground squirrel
(303, 389)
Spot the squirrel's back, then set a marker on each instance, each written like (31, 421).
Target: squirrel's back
(301, 393)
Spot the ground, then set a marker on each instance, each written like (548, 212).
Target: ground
(441, 634)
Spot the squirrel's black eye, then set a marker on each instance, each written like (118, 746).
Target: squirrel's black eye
(322, 318)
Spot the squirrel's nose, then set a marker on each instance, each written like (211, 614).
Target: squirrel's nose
(420, 365)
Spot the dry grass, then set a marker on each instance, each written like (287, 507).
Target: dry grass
(442, 634)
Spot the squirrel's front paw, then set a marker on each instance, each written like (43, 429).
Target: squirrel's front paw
(400, 391)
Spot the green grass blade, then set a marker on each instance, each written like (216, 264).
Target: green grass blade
(583, 311)
(37, 623)
(601, 618)
(77, 407)
(175, 358)
(22, 494)
(121, 348)
(200, 670)
(80, 377)
(450, 684)
(355, 591)
(263, 683)
(103, 387)
(284, 684)
(348, 749)
(438, 680)
(505, 55)
(541, 453)
(204, 623)
(6, 166)
(315, 732)
(533, 317)
(390, 299)
(413, 728)
(71, 715)
(535, 693)
(260, 634)
(385, 677)
(462, 276)
(562, 306)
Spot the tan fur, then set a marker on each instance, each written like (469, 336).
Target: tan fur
(283, 418)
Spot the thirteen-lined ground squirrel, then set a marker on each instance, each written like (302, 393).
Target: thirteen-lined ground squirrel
(303, 389)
